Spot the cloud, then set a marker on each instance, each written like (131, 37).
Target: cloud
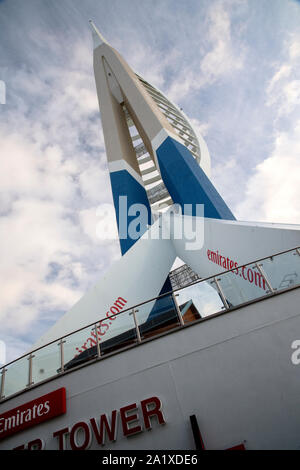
(283, 90)
(273, 190)
(35, 234)
(52, 172)
(212, 57)
(222, 58)
(199, 127)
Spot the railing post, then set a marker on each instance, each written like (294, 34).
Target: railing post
(298, 251)
(97, 339)
(177, 309)
(30, 382)
(223, 298)
(262, 272)
(2, 383)
(138, 334)
(62, 358)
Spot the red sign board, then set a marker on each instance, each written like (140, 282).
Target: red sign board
(32, 413)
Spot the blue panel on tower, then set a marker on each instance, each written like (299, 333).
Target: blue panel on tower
(123, 184)
(187, 183)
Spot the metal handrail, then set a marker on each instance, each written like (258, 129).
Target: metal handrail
(213, 277)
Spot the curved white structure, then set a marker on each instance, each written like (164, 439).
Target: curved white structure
(157, 192)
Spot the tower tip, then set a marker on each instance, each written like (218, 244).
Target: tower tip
(98, 39)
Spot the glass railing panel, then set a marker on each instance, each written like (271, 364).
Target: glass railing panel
(282, 271)
(116, 332)
(16, 376)
(46, 362)
(79, 347)
(242, 285)
(157, 316)
(198, 301)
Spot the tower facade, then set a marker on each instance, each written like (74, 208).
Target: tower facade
(154, 156)
(156, 160)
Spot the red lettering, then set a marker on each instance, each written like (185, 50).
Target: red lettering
(61, 434)
(120, 302)
(92, 342)
(248, 275)
(105, 325)
(87, 436)
(114, 310)
(258, 278)
(154, 411)
(236, 271)
(104, 426)
(34, 412)
(108, 314)
(126, 420)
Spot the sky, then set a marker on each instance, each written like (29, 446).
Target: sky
(233, 66)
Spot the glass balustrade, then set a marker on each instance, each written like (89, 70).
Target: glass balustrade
(241, 285)
(46, 362)
(199, 300)
(282, 271)
(152, 318)
(16, 376)
(79, 347)
(117, 332)
(157, 316)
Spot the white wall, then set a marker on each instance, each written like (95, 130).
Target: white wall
(233, 371)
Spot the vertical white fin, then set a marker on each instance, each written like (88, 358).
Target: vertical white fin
(97, 36)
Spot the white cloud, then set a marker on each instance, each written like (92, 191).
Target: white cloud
(52, 171)
(200, 127)
(273, 192)
(283, 90)
(95, 183)
(222, 57)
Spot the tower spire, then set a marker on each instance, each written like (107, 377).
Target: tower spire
(97, 36)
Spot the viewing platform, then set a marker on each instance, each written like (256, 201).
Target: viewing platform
(199, 302)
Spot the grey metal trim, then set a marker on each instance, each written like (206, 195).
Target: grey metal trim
(62, 356)
(222, 295)
(2, 383)
(262, 272)
(98, 341)
(30, 382)
(138, 333)
(178, 310)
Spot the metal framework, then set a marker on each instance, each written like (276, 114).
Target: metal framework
(158, 195)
